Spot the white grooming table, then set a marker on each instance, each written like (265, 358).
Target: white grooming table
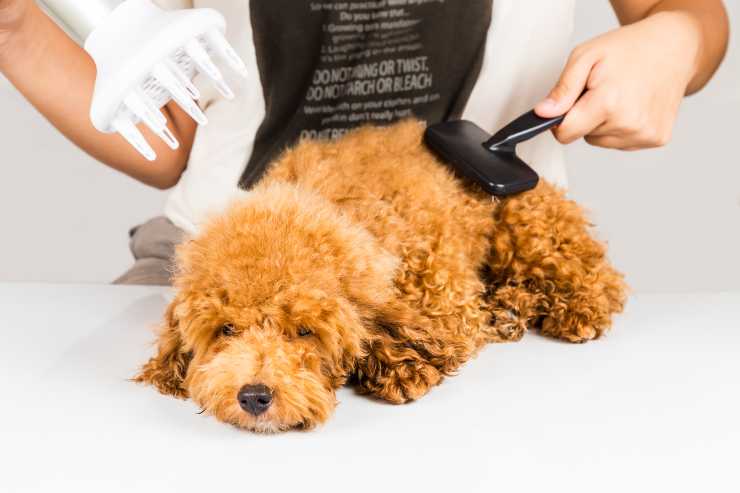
(654, 406)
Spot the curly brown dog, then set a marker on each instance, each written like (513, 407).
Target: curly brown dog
(366, 260)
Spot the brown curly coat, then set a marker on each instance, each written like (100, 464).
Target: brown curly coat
(367, 259)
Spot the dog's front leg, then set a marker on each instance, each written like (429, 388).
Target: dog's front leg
(394, 371)
(402, 361)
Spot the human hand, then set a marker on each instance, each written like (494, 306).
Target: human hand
(635, 78)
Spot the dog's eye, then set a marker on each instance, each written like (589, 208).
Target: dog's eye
(304, 332)
(227, 330)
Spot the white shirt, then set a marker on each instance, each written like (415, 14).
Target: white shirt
(525, 49)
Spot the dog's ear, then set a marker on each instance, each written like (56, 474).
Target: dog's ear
(167, 370)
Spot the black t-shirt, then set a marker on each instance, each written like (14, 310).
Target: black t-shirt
(327, 66)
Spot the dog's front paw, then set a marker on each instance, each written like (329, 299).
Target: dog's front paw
(573, 331)
(403, 382)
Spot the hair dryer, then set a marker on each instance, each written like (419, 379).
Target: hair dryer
(145, 57)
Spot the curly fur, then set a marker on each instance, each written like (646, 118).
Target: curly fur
(398, 270)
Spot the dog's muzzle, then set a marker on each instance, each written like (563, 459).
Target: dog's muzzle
(255, 399)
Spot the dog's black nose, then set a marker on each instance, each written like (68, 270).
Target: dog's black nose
(255, 399)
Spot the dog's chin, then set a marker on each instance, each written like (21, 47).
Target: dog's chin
(275, 420)
(267, 423)
(269, 427)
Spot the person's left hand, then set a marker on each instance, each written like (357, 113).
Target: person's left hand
(635, 79)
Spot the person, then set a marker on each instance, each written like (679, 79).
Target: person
(321, 67)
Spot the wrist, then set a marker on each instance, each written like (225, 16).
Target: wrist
(684, 31)
(12, 15)
(18, 35)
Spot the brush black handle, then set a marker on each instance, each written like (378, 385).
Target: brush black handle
(523, 128)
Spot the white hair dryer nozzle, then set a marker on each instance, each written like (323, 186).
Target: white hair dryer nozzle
(145, 57)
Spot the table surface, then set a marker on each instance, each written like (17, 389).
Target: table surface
(655, 404)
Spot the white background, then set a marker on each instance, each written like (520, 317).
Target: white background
(671, 216)
(652, 407)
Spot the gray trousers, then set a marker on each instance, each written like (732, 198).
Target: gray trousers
(153, 247)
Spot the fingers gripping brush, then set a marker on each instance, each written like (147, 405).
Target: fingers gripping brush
(491, 162)
(145, 57)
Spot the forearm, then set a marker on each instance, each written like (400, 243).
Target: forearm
(705, 20)
(57, 77)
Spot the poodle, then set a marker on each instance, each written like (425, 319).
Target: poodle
(365, 260)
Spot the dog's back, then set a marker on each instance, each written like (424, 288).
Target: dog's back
(385, 179)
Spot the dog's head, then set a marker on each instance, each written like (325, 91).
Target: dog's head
(276, 302)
